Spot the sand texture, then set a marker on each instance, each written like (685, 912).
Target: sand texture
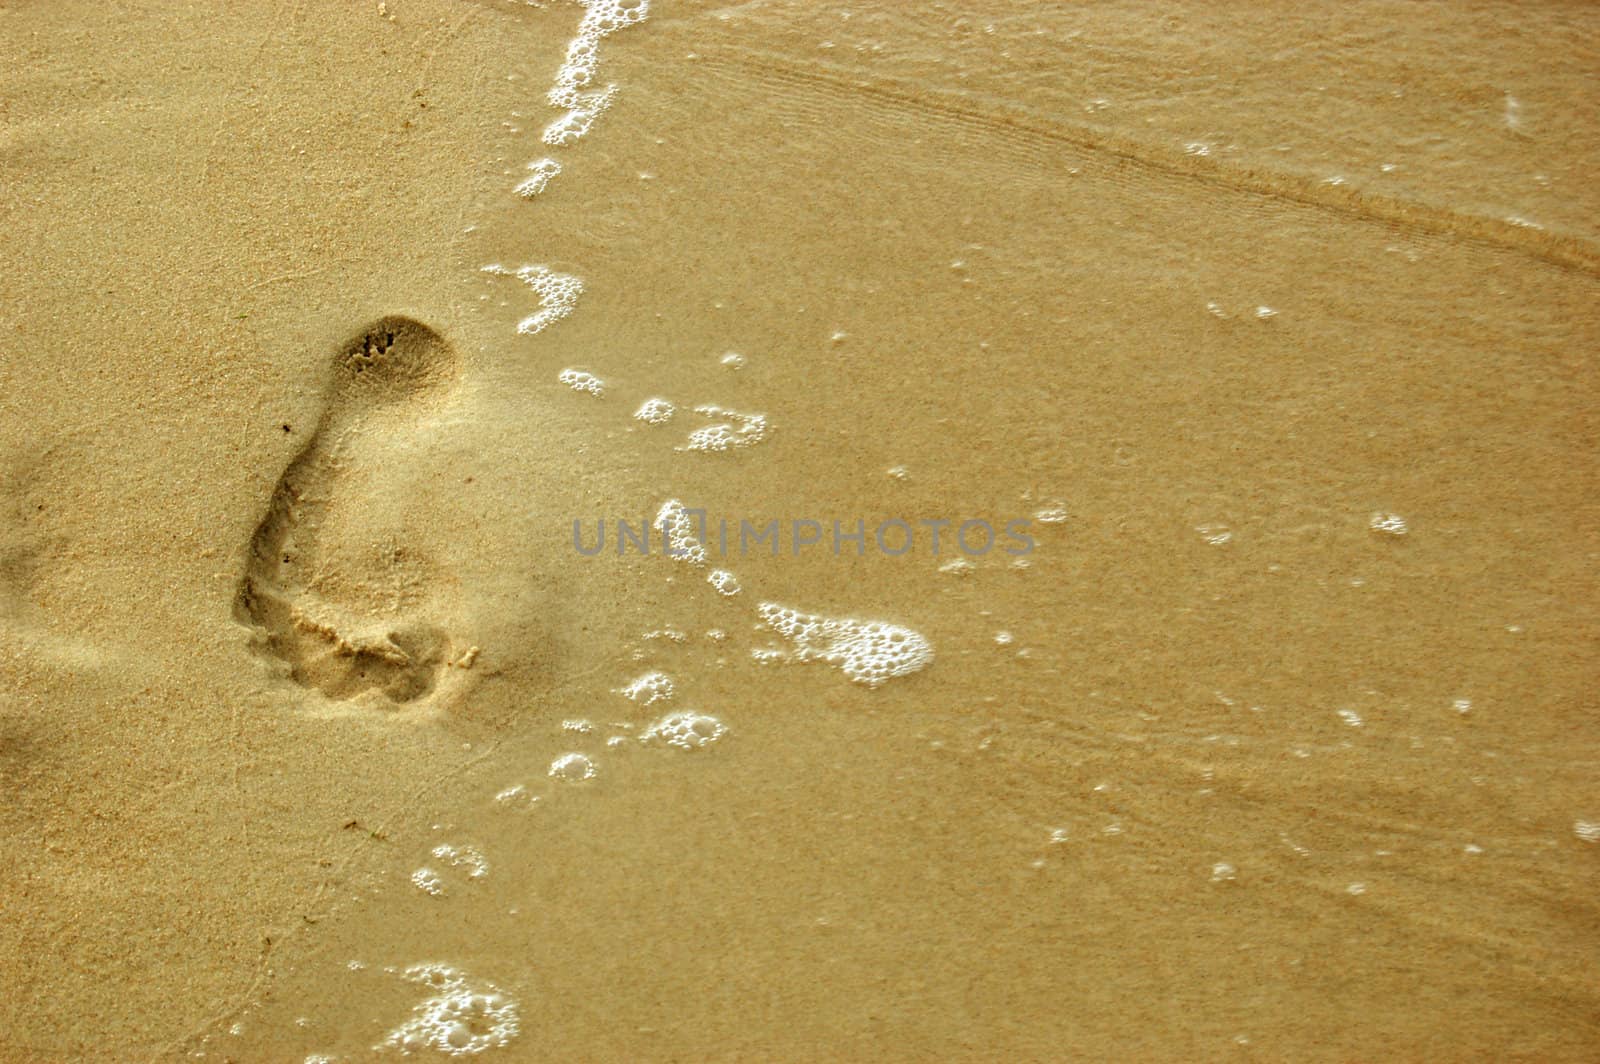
(333, 335)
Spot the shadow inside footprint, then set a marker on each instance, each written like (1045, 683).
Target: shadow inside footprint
(341, 619)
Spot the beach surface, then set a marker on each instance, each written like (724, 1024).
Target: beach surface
(1262, 724)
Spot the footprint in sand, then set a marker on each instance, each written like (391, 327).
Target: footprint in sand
(334, 585)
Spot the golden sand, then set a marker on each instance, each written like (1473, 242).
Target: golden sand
(1276, 326)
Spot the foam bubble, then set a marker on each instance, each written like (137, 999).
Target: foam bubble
(1388, 524)
(577, 121)
(649, 688)
(462, 1018)
(725, 582)
(516, 794)
(469, 857)
(1053, 514)
(1587, 830)
(571, 90)
(738, 432)
(682, 532)
(687, 731)
(654, 411)
(558, 293)
(542, 171)
(868, 652)
(428, 881)
(1216, 535)
(572, 768)
(579, 381)
(733, 360)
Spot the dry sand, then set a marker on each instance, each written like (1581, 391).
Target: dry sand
(1281, 745)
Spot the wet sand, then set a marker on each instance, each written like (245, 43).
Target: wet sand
(1275, 328)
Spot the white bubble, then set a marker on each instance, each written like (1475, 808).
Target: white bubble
(579, 381)
(725, 582)
(898, 472)
(542, 171)
(571, 88)
(572, 768)
(649, 688)
(582, 727)
(428, 881)
(460, 1019)
(1223, 872)
(1351, 717)
(1266, 313)
(1462, 705)
(733, 360)
(738, 432)
(580, 119)
(1059, 835)
(464, 856)
(1356, 889)
(688, 731)
(558, 293)
(516, 794)
(1216, 535)
(1587, 830)
(654, 411)
(868, 652)
(682, 530)
(957, 567)
(1388, 524)
(1053, 514)
(1004, 638)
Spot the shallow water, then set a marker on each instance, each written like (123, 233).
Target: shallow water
(1278, 740)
